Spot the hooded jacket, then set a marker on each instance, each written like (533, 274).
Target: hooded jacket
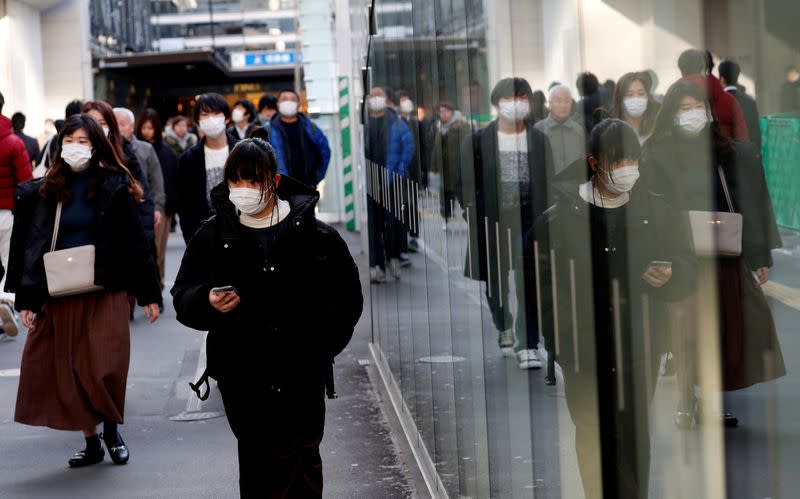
(304, 297)
(573, 297)
(15, 166)
(316, 151)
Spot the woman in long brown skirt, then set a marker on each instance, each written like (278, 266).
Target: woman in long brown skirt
(726, 327)
(75, 362)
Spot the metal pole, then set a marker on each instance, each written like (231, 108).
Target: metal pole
(211, 23)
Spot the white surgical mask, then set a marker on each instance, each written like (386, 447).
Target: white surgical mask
(77, 156)
(514, 110)
(106, 131)
(213, 126)
(237, 115)
(288, 108)
(623, 179)
(376, 103)
(693, 121)
(635, 106)
(407, 106)
(248, 201)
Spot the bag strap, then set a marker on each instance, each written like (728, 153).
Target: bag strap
(55, 227)
(725, 188)
(200, 382)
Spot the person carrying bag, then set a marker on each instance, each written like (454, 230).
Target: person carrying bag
(720, 183)
(78, 248)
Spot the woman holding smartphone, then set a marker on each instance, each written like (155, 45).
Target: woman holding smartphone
(699, 169)
(614, 253)
(280, 295)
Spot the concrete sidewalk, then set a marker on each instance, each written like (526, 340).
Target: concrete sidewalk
(359, 453)
(195, 458)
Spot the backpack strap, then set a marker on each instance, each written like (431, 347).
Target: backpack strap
(200, 382)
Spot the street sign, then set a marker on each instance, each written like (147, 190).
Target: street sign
(248, 60)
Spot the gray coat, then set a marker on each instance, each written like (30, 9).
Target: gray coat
(152, 170)
(567, 140)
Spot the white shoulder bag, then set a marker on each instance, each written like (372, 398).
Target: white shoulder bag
(69, 271)
(717, 233)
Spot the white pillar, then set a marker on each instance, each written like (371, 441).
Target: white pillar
(66, 55)
(21, 71)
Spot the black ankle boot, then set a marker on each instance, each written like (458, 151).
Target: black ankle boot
(92, 454)
(116, 446)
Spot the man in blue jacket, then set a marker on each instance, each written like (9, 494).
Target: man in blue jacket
(389, 151)
(300, 146)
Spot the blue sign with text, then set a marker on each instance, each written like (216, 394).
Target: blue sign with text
(271, 58)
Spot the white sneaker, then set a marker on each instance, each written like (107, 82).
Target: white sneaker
(508, 342)
(10, 324)
(394, 268)
(377, 275)
(529, 359)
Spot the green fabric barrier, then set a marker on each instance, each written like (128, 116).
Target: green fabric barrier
(781, 156)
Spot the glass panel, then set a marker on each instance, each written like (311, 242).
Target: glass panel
(581, 312)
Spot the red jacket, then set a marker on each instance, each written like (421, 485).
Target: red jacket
(726, 108)
(15, 167)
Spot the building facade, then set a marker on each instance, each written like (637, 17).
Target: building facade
(44, 58)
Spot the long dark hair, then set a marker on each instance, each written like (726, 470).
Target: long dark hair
(104, 157)
(618, 101)
(151, 115)
(107, 111)
(722, 146)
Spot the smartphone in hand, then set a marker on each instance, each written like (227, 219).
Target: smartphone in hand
(660, 264)
(224, 290)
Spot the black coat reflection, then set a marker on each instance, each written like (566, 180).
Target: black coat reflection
(606, 326)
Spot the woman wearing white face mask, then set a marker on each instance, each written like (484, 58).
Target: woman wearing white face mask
(270, 281)
(243, 119)
(75, 363)
(693, 163)
(633, 104)
(612, 255)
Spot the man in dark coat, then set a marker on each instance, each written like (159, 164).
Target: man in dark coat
(729, 77)
(31, 144)
(200, 167)
(509, 163)
(790, 91)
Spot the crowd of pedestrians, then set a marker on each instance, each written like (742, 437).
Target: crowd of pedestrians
(591, 215)
(595, 218)
(87, 238)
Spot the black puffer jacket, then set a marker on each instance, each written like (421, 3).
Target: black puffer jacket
(574, 295)
(298, 308)
(123, 259)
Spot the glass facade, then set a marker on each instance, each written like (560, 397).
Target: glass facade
(560, 294)
(228, 25)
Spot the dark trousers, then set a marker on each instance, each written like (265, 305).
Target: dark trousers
(385, 234)
(612, 431)
(446, 201)
(498, 294)
(278, 439)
